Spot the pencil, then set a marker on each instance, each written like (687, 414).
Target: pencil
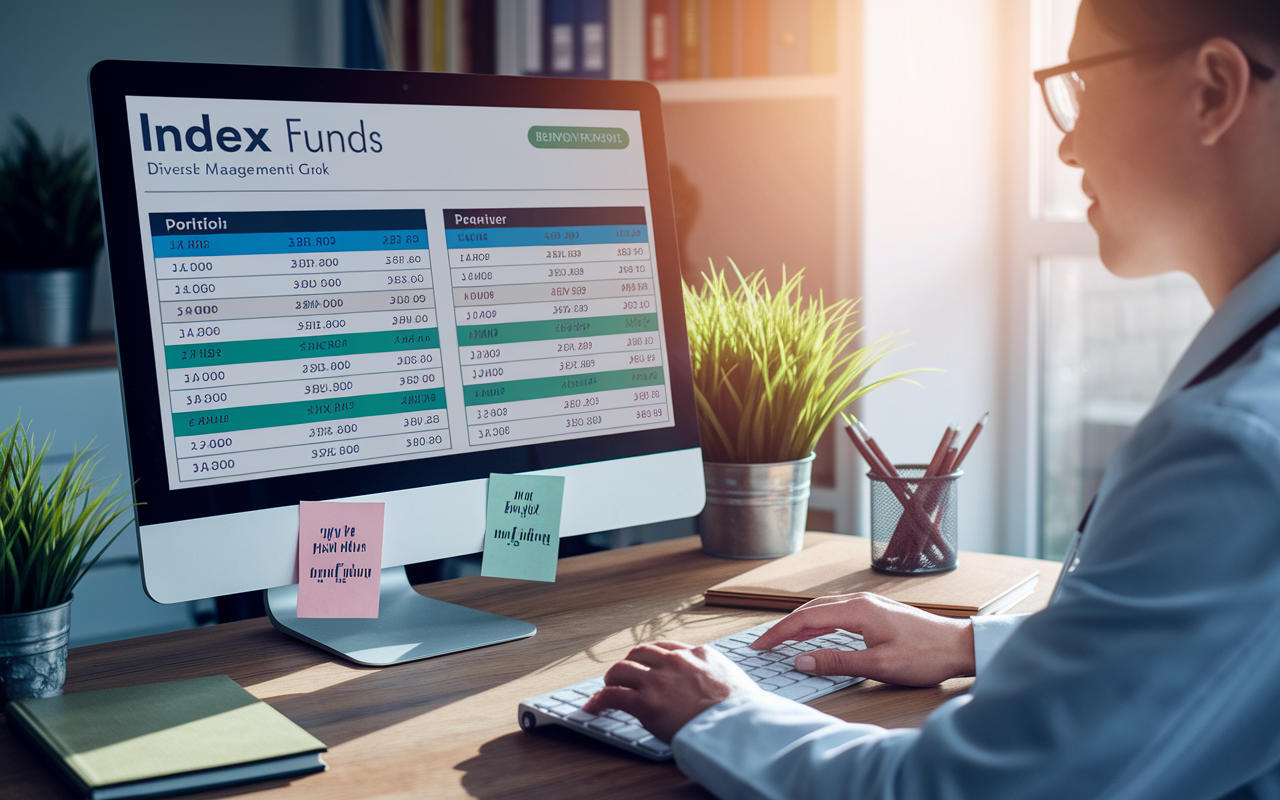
(866, 453)
(973, 437)
(948, 436)
(875, 448)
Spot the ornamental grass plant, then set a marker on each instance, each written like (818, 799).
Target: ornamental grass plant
(48, 531)
(771, 370)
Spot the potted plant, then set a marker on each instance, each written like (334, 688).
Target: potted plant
(47, 534)
(50, 235)
(771, 370)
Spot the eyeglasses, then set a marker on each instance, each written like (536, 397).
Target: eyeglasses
(1062, 85)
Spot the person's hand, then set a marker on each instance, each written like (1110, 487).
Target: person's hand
(666, 684)
(905, 645)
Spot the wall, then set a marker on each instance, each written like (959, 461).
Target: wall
(48, 47)
(931, 239)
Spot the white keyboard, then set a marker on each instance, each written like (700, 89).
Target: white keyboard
(772, 670)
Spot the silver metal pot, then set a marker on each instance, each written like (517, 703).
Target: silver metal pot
(33, 652)
(46, 307)
(755, 510)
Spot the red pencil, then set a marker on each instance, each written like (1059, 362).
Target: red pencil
(973, 437)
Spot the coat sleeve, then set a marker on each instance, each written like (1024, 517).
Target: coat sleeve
(1155, 674)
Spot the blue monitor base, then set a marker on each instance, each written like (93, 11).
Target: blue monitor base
(409, 626)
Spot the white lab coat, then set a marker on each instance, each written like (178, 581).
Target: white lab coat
(1155, 672)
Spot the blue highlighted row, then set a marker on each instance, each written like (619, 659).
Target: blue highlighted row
(558, 237)
(243, 244)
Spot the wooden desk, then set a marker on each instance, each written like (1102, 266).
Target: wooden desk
(446, 727)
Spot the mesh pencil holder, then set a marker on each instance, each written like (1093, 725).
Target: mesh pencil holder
(914, 523)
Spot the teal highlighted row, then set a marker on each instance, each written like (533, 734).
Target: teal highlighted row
(195, 245)
(484, 394)
(543, 329)
(249, 351)
(274, 415)
(559, 238)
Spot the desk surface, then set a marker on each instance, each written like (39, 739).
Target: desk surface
(446, 727)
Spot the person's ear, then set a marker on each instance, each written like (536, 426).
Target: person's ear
(1222, 79)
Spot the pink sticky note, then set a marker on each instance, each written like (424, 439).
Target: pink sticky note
(339, 559)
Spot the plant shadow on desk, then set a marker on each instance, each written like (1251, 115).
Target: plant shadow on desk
(539, 762)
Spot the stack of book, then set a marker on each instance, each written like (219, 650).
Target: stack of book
(621, 39)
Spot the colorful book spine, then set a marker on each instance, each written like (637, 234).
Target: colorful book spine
(755, 37)
(788, 37)
(721, 21)
(593, 38)
(690, 39)
(559, 45)
(661, 36)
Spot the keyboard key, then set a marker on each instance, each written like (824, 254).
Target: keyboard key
(755, 662)
(769, 655)
(795, 691)
(605, 724)
(735, 657)
(580, 716)
(632, 733)
(655, 745)
(805, 647)
(544, 702)
(575, 699)
(563, 709)
(776, 682)
(620, 716)
(817, 683)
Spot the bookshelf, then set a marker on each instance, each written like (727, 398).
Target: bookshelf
(779, 159)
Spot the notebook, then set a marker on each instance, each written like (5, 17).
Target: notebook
(164, 738)
(984, 583)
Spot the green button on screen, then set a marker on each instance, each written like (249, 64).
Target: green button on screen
(561, 137)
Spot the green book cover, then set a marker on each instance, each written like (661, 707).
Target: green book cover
(137, 733)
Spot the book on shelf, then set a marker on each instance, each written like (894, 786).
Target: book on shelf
(163, 738)
(984, 583)
(628, 39)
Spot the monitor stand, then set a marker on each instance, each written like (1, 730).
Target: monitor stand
(409, 626)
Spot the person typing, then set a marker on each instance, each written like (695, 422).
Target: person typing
(1154, 671)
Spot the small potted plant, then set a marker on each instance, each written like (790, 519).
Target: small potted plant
(771, 370)
(50, 235)
(48, 532)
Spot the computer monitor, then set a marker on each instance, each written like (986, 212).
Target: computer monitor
(385, 286)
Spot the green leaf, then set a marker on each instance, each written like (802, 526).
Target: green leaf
(772, 370)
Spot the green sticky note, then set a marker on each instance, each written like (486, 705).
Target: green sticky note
(522, 527)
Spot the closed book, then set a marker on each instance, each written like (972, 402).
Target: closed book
(593, 38)
(822, 36)
(560, 47)
(984, 583)
(721, 19)
(691, 38)
(755, 37)
(789, 37)
(164, 738)
(661, 39)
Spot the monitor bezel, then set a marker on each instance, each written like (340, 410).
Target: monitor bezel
(112, 81)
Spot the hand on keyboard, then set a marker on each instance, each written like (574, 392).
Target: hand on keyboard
(666, 684)
(905, 645)
(689, 680)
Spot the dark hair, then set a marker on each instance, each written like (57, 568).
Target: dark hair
(1143, 21)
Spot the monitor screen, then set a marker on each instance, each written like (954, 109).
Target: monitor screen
(334, 284)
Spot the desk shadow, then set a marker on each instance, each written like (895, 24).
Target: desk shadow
(545, 762)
